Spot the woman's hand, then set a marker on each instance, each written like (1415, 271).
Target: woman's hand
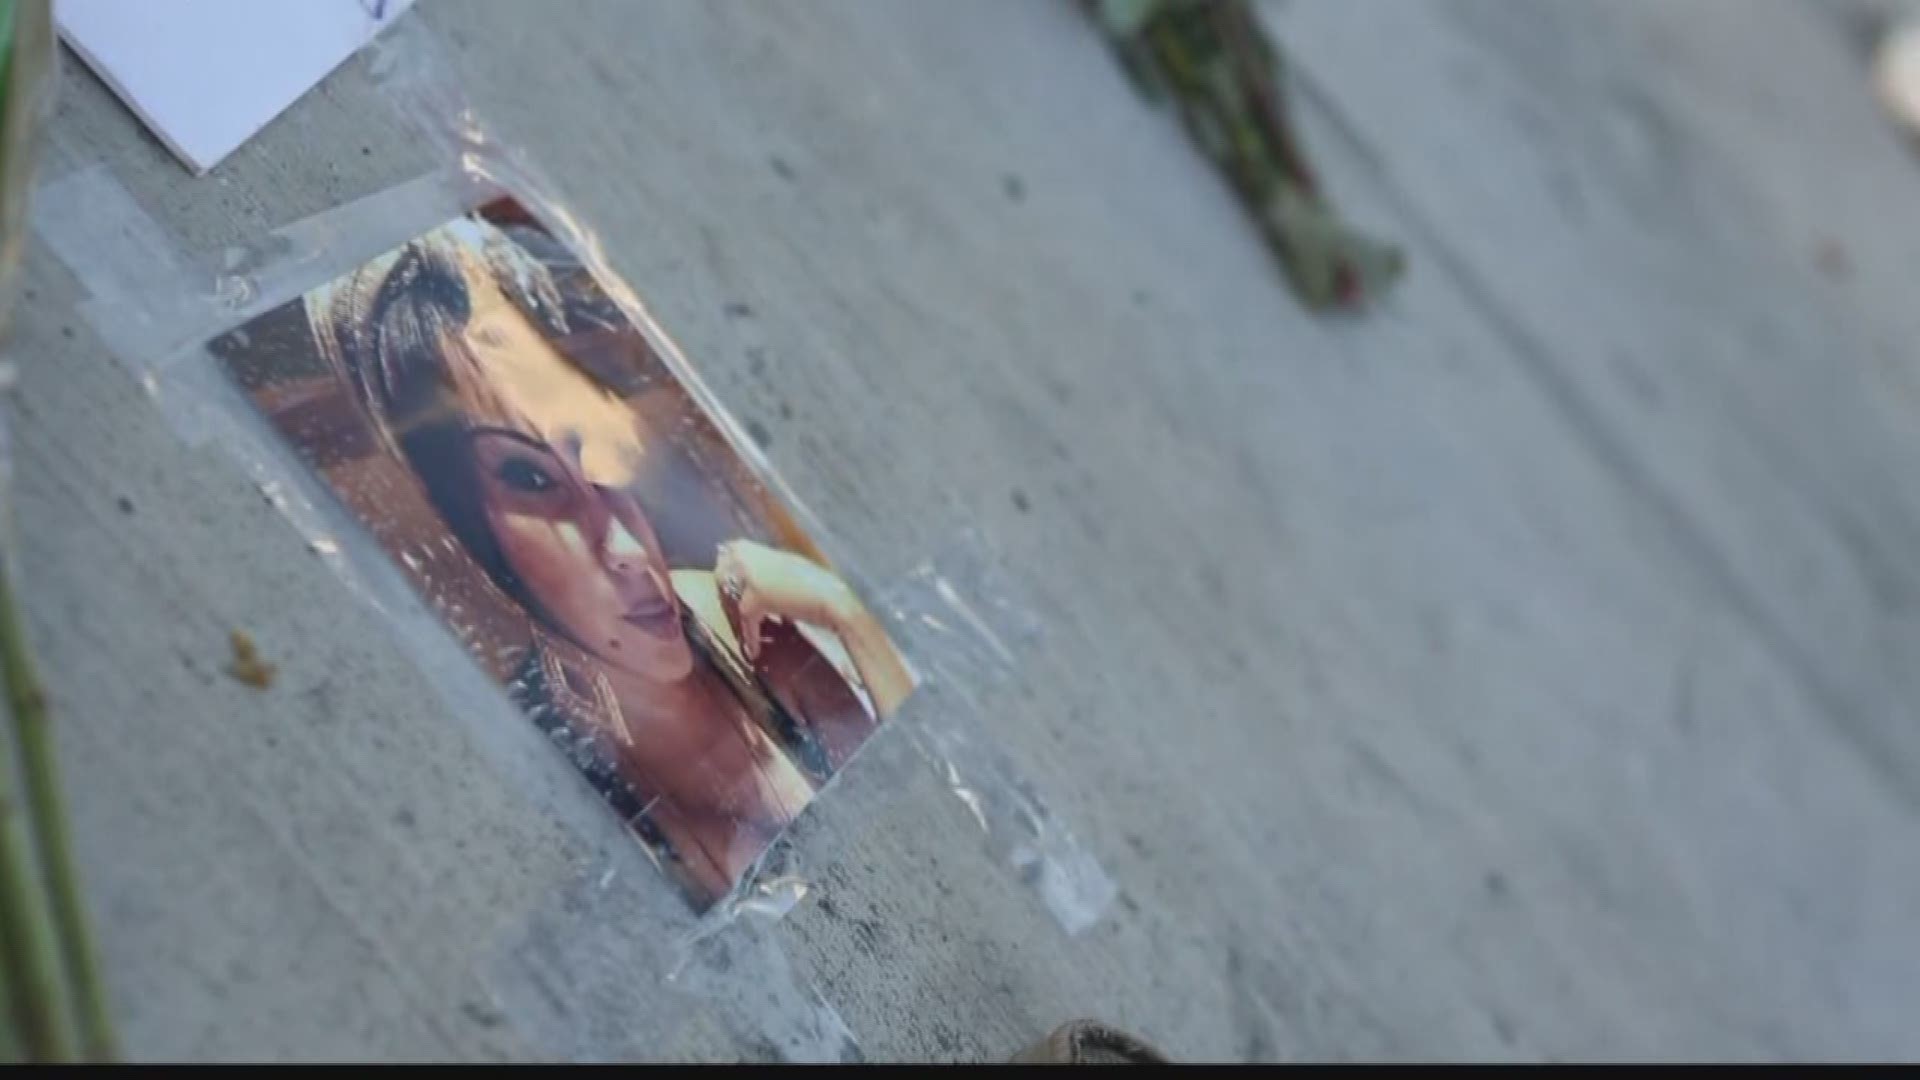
(764, 582)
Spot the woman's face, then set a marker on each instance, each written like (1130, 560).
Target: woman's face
(557, 454)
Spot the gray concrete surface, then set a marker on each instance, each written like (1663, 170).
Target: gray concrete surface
(1523, 671)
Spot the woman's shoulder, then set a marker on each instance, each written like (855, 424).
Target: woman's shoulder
(696, 579)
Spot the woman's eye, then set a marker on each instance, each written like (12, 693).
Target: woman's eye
(523, 475)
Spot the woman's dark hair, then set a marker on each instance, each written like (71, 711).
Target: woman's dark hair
(395, 331)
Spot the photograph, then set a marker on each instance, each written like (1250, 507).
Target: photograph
(588, 531)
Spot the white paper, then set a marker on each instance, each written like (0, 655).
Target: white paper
(206, 74)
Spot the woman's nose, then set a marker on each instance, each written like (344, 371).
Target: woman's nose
(620, 549)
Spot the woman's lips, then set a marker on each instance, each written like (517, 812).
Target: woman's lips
(654, 616)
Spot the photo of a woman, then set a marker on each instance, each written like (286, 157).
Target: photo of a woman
(706, 703)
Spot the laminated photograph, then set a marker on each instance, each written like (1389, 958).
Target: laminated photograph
(513, 441)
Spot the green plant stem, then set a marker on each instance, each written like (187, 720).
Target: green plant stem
(41, 774)
(36, 994)
(10, 1050)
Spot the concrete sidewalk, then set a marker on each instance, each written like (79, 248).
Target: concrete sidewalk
(1524, 670)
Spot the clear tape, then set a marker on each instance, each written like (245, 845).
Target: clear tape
(570, 979)
(956, 610)
(156, 305)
